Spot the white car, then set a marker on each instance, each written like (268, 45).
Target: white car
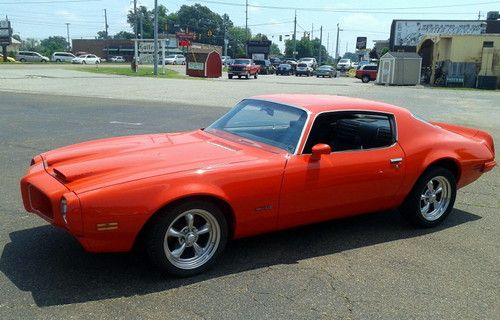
(311, 62)
(175, 59)
(87, 59)
(117, 59)
(62, 57)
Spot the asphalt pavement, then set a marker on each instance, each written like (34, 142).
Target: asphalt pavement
(369, 267)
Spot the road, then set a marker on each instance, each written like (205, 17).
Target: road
(371, 267)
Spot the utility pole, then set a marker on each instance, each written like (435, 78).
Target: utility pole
(327, 45)
(312, 32)
(155, 45)
(320, 43)
(295, 34)
(337, 44)
(246, 19)
(106, 23)
(225, 40)
(67, 31)
(479, 15)
(136, 26)
(142, 29)
(107, 35)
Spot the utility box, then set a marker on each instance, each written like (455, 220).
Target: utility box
(399, 68)
(204, 61)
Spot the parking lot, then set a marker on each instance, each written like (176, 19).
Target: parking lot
(370, 267)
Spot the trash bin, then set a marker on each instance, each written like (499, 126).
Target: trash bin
(205, 65)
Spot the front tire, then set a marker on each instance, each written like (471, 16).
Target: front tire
(431, 199)
(187, 239)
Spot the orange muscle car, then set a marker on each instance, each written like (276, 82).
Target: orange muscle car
(272, 162)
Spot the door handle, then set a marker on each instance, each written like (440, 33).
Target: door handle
(396, 160)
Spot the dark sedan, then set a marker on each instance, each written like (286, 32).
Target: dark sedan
(326, 71)
(284, 69)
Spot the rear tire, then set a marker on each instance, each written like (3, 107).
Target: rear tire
(187, 239)
(230, 76)
(255, 76)
(365, 79)
(432, 198)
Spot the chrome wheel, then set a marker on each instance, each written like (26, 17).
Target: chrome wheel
(435, 198)
(192, 239)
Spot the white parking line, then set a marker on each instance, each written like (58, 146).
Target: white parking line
(128, 123)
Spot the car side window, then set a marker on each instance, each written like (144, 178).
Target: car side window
(344, 131)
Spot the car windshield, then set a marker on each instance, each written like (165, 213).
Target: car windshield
(170, 57)
(284, 65)
(343, 61)
(325, 67)
(306, 59)
(263, 121)
(241, 61)
(302, 65)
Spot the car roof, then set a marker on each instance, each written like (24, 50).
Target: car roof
(316, 103)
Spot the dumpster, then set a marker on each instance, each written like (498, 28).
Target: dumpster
(204, 64)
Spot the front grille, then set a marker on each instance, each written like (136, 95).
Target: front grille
(40, 202)
(235, 68)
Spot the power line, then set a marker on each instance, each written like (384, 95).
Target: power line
(364, 10)
(49, 1)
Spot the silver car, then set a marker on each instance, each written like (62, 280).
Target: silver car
(62, 57)
(31, 56)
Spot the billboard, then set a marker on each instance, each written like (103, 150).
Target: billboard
(406, 34)
(361, 43)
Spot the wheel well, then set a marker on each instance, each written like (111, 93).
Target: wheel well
(226, 209)
(449, 164)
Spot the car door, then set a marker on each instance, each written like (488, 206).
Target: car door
(352, 179)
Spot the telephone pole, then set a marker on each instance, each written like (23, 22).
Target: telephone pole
(295, 34)
(106, 23)
(246, 19)
(155, 45)
(337, 44)
(327, 45)
(67, 31)
(320, 43)
(136, 25)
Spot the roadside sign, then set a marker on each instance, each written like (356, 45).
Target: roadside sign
(361, 43)
(185, 35)
(184, 43)
(5, 33)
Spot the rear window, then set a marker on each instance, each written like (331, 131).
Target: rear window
(242, 61)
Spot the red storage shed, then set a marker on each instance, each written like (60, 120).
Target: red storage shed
(204, 64)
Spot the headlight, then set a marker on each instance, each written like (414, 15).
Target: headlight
(64, 209)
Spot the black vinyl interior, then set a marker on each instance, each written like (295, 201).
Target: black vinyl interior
(351, 131)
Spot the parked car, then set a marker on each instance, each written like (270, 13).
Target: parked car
(367, 72)
(30, 56)
(62, 57)
(175, 59)
(86, 59)
(9, 59)
(344, 64)
(354, 65)
(293, 63)
(311, 62)
(118, 59)
(284, 69)
(304, 69)
(326, 71)
(182, 196)
(243, 68)
(265, 66)
(275, 62)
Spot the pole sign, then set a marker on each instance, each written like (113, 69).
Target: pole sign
(361, 43)
(5, 33)
(185, 35)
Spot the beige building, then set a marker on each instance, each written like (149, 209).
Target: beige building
(481, 52)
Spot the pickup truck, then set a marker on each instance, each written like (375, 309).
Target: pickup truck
(243, 68)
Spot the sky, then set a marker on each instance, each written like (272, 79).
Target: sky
(43, 18)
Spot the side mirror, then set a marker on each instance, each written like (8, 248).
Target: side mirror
(319, 149)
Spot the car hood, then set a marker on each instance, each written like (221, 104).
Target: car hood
(96, 164)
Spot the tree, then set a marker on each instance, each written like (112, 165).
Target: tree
(53, 44)
(275, 50)
(17, 37)
(146, 18)
(259, 37)
(237, 41)
(384, 51)
(204, 22)
(124, 35)
(30, 44)
(102, 35)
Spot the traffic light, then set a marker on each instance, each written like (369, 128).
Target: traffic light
(210, 33)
